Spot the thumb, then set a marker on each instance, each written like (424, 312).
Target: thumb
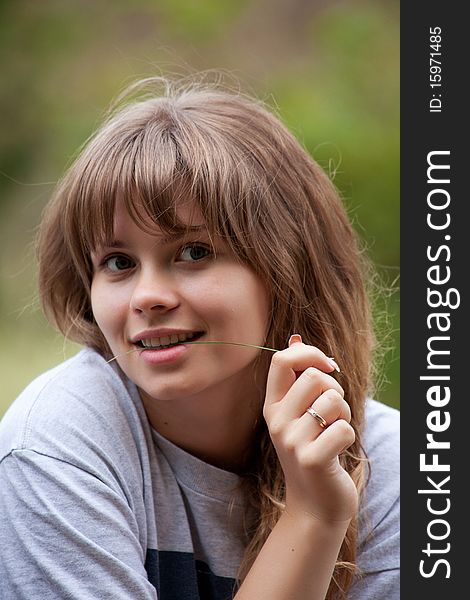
(295, 339)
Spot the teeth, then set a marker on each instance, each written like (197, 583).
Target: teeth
(166, 340)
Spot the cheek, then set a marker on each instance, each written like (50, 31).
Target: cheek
(242, 298)
(109, 308)
(258, 306)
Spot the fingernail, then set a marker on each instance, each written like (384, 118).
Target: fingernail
(333, 363)
(295, 339)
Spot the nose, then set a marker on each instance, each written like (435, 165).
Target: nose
(154, 292)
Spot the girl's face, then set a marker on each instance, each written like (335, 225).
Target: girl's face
(150, 293)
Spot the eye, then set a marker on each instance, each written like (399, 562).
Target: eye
(118, 263)
(194, 252)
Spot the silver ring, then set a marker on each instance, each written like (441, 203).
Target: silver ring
(317, 417)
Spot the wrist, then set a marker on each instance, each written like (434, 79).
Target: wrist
(310, 522)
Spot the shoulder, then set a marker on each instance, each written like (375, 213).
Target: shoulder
(75, 475)
(79, 412)
(379, 522)
(381, 440)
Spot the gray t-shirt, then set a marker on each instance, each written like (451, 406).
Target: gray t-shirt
(95, 504)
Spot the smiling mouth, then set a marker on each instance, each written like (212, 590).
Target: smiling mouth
(168, 341)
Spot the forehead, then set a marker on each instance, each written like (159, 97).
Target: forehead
(187, 216)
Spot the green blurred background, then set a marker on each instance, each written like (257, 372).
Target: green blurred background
(330, 68)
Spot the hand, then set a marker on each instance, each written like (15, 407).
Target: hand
(316, 484)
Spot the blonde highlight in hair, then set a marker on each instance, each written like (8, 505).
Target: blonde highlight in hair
(260, 190)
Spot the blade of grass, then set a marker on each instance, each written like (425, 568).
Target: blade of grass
(236, 344)
(207, 342)
(123, 354)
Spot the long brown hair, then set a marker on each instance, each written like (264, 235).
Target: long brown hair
(261, 191)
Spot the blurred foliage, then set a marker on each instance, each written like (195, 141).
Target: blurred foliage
(330, 69)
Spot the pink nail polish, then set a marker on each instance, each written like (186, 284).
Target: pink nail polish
(295, 339)
(333, 363)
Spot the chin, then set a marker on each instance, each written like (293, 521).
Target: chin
(170, 392)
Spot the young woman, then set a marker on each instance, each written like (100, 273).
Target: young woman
(157, 463)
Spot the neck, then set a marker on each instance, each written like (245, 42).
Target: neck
(218, 426)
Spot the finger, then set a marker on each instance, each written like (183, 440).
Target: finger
(306, 390)
(331, 406)
(285, 363)
(296, 339)
(333, 441)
